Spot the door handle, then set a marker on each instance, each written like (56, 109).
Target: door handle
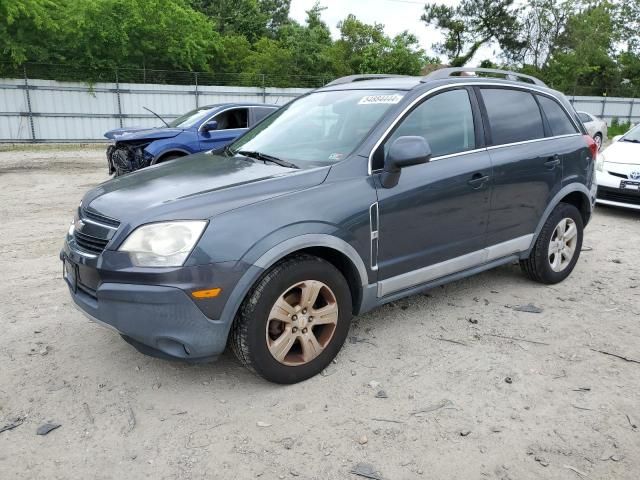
(478, 180)
(552, 162)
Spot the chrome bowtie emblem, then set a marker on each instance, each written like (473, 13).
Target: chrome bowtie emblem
(635, 175)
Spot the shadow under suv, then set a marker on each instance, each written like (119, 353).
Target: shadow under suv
(364, 191)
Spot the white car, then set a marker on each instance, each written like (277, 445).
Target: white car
(596, 127)
(618, 171)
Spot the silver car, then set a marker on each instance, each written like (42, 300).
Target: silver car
(596, 127)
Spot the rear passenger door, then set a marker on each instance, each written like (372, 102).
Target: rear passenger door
(527, 157)
(433, 222)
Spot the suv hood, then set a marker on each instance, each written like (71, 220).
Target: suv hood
(623, 152)
(146, 134)
(195, 187)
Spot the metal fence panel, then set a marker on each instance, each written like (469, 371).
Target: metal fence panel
(48, 110)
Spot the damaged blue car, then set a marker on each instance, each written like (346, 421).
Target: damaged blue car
(206, 128)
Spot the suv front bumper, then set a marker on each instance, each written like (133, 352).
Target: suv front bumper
(160, 319)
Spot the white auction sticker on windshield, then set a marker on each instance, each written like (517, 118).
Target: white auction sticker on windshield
(377, 99)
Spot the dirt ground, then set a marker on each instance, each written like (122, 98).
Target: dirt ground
(451, 384)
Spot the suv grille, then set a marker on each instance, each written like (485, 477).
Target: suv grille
(616, 195)
(96, 217)
(89, 243)
(101, 230)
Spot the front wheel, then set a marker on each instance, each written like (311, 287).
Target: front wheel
(294, 321)
(558, 246)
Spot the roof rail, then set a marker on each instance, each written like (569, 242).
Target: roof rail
(359, 78)
(507, 74)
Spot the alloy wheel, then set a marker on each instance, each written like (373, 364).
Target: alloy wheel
(302, 323)
(562, 246)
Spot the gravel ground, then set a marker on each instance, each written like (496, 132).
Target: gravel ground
(454, 383)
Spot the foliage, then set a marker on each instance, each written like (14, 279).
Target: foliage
(473, 24)
(249, 42)
(582, 47)
(618, 128)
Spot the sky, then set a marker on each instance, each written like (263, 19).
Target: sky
(395, 15)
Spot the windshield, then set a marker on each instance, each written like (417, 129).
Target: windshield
(188, 120)
(319, 129)
(632, 135)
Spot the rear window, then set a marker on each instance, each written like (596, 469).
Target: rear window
(556, 116)
(514, 116)
(584, 117)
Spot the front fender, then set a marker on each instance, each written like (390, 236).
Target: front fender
(160, 147)
(272, 255)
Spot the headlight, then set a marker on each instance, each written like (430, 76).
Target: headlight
(166, 244)
(600, 162)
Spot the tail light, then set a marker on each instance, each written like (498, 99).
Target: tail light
(593, 148)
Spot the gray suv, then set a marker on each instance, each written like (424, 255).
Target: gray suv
(367, 190)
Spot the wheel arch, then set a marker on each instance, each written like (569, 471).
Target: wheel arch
(174, 151)
(575, 194)
(331, 248)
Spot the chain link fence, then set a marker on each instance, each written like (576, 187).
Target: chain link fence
(69, 103)
(76, 73)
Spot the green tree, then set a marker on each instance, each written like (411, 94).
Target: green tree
(583, 60)
(472, 24)
(28, 29)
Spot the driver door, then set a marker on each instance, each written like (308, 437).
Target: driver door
(433, 223)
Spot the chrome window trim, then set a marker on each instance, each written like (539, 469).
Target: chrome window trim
(524, 142)
(226, 110)
(400, 116)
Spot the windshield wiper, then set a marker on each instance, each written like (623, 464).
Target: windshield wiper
(632, 140)
(267, 158)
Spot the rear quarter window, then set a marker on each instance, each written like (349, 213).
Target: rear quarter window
(558, 119)
(514, 115)
(584, 118)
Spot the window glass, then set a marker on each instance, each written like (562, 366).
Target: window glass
(584, 117)
(514, 115)
(232, 119)
(444, 120)
(321, 128)
(191, 118)
(556, 116)
(260, 112)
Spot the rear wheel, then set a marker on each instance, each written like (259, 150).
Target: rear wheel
(557, 248)
(294, 321)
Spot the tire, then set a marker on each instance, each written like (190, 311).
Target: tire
(257, 337)
(598, 139)
(549, 267)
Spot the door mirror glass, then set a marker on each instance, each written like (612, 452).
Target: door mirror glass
(404, 152)
(210, 125)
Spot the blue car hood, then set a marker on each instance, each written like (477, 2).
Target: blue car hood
(132, 135)
(197, 186)
(118, 132)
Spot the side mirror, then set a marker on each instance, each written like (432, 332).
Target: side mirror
(404, 152)
(616, 138)
(210, 125)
